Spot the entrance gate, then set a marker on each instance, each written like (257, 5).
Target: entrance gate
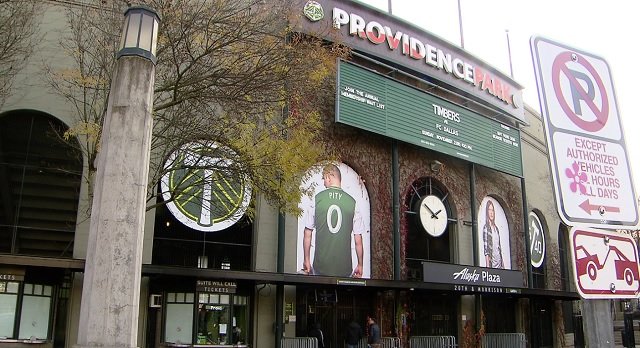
(332, 312)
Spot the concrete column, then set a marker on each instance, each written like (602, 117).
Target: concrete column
(597, 323)
(111, 288)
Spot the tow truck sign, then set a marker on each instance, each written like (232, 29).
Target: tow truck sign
(605, 264)
(587, 151)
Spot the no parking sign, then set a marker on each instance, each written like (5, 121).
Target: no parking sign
(587, 152)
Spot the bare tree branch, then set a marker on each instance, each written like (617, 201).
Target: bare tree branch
(18, 31)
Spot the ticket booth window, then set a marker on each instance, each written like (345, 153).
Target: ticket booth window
(8, 303)
(31, 317)
(179, 321)
(213, 319)
(240, 320)
(36, 311)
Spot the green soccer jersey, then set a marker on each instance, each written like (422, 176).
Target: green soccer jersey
(334, 221)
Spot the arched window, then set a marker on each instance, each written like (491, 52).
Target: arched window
(537, 245)
(40, 177)
(563, 242)
(423, 242)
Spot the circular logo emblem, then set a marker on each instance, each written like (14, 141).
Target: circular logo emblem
(202, 190)
(536, 238)
(313, 10)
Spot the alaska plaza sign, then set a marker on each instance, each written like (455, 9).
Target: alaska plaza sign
(473, 279)
(370, 30)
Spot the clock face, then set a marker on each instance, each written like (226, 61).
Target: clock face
(433, 215)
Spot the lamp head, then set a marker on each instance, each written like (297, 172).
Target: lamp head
(139, 33)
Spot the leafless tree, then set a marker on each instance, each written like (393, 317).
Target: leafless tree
(18, 29)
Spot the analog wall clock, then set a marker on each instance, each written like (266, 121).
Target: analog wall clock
(433, 215)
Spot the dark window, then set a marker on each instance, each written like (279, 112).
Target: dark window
(433, 316)
(541, 324)
(563, 234)
(175, 244)
(332, 313)
(40, 177)
(538, 277)
(499, 314)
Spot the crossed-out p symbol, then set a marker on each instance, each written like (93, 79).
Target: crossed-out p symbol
(578, 92)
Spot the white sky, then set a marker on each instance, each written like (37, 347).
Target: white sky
(607, 29)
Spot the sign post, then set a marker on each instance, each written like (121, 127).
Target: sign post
(587, 152)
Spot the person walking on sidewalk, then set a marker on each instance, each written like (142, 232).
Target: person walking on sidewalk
(317, 333)
(374, 333)
(352, 334)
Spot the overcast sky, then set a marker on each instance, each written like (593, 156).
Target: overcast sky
(605, 29)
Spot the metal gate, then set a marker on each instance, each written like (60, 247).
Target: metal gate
(432, 342)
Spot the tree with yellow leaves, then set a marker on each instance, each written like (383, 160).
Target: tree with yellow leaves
(228, 72)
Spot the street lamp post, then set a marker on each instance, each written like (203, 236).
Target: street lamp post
(111, 286)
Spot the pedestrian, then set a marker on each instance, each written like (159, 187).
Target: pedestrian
(374, 333)
(317, 333)
(352, 334)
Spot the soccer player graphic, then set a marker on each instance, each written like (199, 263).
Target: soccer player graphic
(334, 217)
